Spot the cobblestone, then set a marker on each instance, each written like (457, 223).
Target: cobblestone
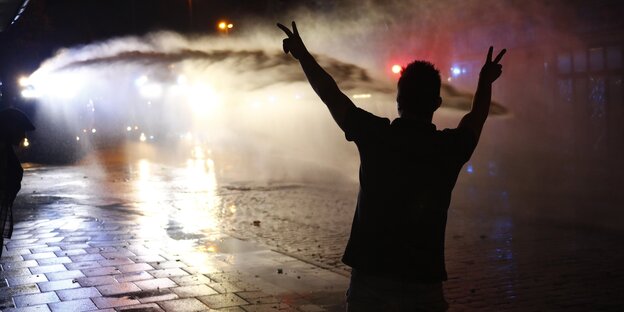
(133, 276)
(58, 285)
(48, 269)
(222, 300)
(117, 288)
(106, 302)
(96, 280)
(80, 293)
(186, 305)
(35, 299)
(49, 261)
(496, 260)
(28, 279)
(74, 305)
(55, 276)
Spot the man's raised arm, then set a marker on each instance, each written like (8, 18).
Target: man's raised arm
(323, 84)
(491, 70)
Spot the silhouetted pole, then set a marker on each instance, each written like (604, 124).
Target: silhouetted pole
(190, 13)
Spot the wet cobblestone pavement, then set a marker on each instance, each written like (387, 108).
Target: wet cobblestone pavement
(132, 238)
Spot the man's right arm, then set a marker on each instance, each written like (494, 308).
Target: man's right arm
(475, 119)
(322, 83)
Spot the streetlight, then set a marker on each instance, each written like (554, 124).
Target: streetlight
(225, 27)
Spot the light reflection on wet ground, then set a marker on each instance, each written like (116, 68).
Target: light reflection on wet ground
(190, 209)
(496, 256)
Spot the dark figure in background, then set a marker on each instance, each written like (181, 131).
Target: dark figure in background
(13, 127)
(407, 172)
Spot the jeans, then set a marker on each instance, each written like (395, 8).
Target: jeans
(379, 293)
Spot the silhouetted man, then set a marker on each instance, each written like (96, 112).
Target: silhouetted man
(13, 127)
(407, 172)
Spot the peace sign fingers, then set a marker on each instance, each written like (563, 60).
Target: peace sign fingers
(488, 59)
(293, 44)
(499, 56)
(286, 30)
(492, 69)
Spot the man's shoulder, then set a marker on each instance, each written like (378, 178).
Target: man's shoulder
(459, 132)
(363, 125)
(359, 113)
(461, 140)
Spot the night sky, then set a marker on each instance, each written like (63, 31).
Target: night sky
(48, 25)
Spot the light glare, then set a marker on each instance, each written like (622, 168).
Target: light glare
(150, 91)
(141, 81)
(456, 71)
(23, 81)
(30, 94)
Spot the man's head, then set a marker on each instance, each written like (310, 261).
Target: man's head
(419, 89)
(13, 126)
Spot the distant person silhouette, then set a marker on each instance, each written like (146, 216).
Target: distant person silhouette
(407, 172)
(13, 127)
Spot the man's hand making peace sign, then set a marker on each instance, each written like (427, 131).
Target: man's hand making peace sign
(293, 43)
(322, 83)
(492, 69)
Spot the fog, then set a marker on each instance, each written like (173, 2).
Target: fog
(238, 93)
(237, 96)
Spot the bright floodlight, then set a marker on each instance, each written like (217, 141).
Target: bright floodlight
(141, 81)
(63, 86)
(182, 80)
(151, 90)
(202, 99)
(30, 94)
(396, 69)
(223, 25)
(23, 81)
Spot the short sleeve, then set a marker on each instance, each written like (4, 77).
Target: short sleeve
(462, 142)
(361, 125)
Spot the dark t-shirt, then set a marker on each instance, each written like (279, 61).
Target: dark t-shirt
(407, 172)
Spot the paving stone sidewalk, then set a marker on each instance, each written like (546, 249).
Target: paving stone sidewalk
(108, 263)
(148, 238)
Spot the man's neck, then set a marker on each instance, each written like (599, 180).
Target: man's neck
(421, 118)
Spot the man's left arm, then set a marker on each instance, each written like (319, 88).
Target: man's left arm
(323, 84)
(475, 119)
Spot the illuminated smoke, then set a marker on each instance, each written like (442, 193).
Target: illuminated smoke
(242, 92)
